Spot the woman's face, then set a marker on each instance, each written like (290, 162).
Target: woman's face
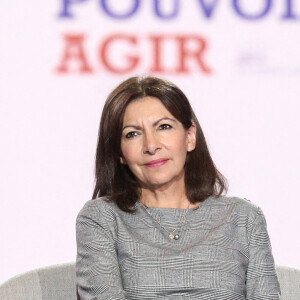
(154, 144)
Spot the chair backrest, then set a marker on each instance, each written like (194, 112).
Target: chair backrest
(57, 282)
(289, 279)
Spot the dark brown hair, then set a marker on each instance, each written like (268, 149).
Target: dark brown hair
(115, 180)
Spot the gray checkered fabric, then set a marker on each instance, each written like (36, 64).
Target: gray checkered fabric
(223, 252)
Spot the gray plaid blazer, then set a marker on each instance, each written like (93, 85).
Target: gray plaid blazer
(223, 252)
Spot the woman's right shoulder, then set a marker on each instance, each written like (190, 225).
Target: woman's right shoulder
(100, 205)
(97, 216)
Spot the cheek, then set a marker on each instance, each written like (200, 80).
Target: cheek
(178, 146)
(129, 153)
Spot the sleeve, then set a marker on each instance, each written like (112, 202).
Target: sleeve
(261, 278)
(97, 269)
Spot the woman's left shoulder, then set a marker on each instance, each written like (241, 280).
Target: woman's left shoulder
(238, 204)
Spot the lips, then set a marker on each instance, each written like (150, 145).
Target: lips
(157, 162)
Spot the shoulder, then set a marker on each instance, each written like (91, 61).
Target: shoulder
(237, 205)
(97, 216)
(98, 203)
(101, 208)
(238, 211)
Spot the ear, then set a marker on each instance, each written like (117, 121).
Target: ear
(191, 137)
(123, 160)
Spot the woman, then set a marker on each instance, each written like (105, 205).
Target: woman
(159, 226)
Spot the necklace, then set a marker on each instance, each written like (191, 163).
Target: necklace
(171, 234)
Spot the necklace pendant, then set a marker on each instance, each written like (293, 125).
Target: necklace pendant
(172, 236)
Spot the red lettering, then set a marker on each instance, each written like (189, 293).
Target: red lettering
(132, 60)
(74, 52)
(185, 53)
(157, 43)
(118, 54)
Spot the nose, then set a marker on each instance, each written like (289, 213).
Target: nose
(150, 143)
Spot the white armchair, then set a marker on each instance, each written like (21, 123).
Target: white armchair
(57, 282)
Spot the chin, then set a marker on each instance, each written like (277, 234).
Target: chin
(158, 182)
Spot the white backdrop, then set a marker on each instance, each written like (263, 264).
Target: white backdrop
(244, 87)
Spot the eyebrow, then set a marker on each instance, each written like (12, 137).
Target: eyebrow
(154, 124)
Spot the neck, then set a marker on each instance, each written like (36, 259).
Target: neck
(171, 196)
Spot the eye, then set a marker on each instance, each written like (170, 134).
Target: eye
(131, 134)
(165, 126)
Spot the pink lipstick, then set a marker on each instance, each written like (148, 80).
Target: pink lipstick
(156, 163)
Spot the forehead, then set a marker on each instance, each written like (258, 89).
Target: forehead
(148, 107)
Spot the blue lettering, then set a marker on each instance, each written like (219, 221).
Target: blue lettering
(236, 5)
(65, 13)
(130, 13)
(208, 8)
(289, 12)
(169, 16)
